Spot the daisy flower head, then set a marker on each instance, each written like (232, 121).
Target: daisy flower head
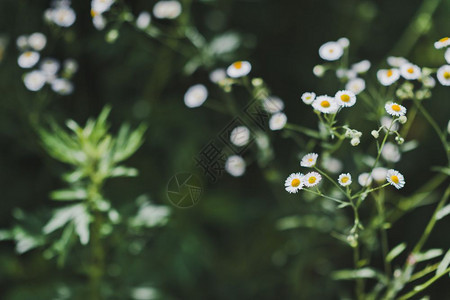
(395, 109)
(308, 98)
(240, 136)
(143, 20)
(410, 71)
(391, 153)
(195, 96)
(217, 75)
(345, 179)
(344, 42)
(235, 165)
(332, 164)
(273, 104)
(443, 75)
(28, 59)
(362, 66)
(62, 86)
(325, 104)
(356, 85)
(364, 179)
(37, 41)
(63, 16)
(34, 80)
(447, 55)
(49, 66)
(388, 77)
(345, 98)
(379, 174)
(395, 178)
(331, 51)
(396, 61)
(239, 69)
(167, 9)
(429, 81)
(294, 183)
(277, 121)
(442, 43)
(312, 179)
(22, 42)
(309, 160)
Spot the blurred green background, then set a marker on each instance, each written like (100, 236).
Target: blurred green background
(227, 246)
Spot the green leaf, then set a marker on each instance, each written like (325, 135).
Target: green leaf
(360, 273)
(124, 171)
(444, 264)
(429, 254)
(69, 194)
(62, 216)
(395, 252)
(443, 212)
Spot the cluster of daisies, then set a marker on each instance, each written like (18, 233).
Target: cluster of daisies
(47, 72)
(297, 181)
(60, 14)
(330, 105)
(332, 51)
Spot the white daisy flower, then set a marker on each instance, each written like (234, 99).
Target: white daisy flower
(240, 136)
(344, 42)
(277, 121)
(391, 153)
(62, 86)
(319, 70)
(309, 160)
(143, 20)
(325, 104)
(386, 122)
(37, 41)
(308, 98)
(34, 81)
(63, 16)
(217, 75)
(410, 71)
(28, 59)
(331, 51)
(344, 73)
(195, 96)
(294, 183)
(273, 104)
(388, 77)
(99, 7)
(396, 61)
(332, 164)
(356, 85)
(443, 75)
(447, 55)
(364, 179)
(22, 42)
(167, 9)
(429, 81)
(379, 174)
(49, 66)
(395, 109)
(239, 69)
(362, 66)
(235, 165)
(345, 98)
(444, 42)
(312, 179)
(99, 22)
(395, 178)
(345, 179)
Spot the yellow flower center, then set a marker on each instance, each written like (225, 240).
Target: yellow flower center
(444, 39)
(310, 159)
(238, 65)
(396, 107)
(447, 75)
(312, 179)
(345, 97)
(295, 182)
(28, 53)
(93, 13)
(389, 73)
(395, 179)
(410, 70)
(325, 103)
(331, 50)
(344, 179)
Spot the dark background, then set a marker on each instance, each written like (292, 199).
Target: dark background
(226, 247)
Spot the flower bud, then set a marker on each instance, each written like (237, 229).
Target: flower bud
(355, 141)
(403, 119)
(375, 134)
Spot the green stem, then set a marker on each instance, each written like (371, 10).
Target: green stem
(333, 181)
(423, 286)
(325, 196)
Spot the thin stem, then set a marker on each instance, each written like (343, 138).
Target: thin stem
(325, 196)
(423, 286)
(333, 181)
